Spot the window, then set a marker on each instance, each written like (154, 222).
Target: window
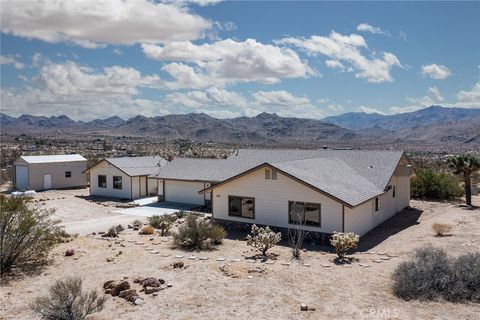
(267, 174)
(102, 181)
(117, 182)
(377, 204)
(241, 207)
(304, 213)
(393, 192)
(68, 174)
(274, 174)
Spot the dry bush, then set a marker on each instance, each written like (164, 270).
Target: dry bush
(263, 239)
(67, 301)
(137, 223)
(441, 228)
(26, 234)
(147, 230)
(342, 242)
(164, 223)
(431, 274)
(199, 234)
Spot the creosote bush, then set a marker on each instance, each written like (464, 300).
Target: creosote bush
(431, 275)
(198, 233)
(342, 242)
(441, 228)
(27, 234)
(263, 239)
(164, 223)
(428, 184)
(67, 301)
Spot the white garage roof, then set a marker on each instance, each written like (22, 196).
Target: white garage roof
(53, 158)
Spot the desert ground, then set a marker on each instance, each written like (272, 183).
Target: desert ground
(225, 284)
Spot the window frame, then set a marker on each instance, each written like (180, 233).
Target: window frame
(68, 174)
(98, 181)
(240, 215)
(305, 204)
(121, 183)
(268, 174)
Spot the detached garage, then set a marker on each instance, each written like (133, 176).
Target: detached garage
(49, 172)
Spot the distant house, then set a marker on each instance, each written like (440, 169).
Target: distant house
(49, 172)
(324, 190)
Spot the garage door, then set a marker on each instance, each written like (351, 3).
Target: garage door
(21, 177)
(184, 192)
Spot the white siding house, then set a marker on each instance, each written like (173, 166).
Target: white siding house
(49, 172)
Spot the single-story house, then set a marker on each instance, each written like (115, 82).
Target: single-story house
(49, 172)
(323, 190)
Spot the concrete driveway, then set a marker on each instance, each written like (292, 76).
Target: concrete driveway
(157, 208)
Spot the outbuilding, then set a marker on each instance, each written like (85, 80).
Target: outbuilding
(49, 172)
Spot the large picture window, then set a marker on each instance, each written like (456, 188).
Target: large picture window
(304, 213)
(102, 181)
(117, 182)
(241, 207)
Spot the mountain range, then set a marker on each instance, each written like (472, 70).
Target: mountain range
(434, 124)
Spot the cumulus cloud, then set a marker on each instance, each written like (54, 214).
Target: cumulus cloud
(94, 23)
(347, 49)
(369, 110)
(228, 61)
(435, 71)
(12, 60)
(469, 98)
(365, 27)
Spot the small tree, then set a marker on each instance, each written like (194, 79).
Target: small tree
(67, 301)
(342, 242)
(429, 184)
(26, 234)
(465, 165)
(263, 239)
(296, 236)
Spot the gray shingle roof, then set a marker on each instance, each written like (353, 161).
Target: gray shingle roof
(138, 166)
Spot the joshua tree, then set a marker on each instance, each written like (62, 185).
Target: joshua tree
(465, 165)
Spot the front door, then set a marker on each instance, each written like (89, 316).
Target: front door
(47, 181)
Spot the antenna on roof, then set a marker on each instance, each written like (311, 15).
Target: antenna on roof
(159, 165)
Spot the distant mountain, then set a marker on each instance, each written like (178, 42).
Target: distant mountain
(264, 128)
(433, 125)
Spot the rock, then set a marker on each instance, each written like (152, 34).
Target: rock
(178, 257)
(155, 294)
(192, 258)
(161, 281)
(151, 290)
(150, 282)
(169, 285)
(129, 226)
(303, 307)
(221, 259)
(124, 285)
(125, 293)
(108, 283)
(307, 265)
(138, 301)
(178, 265)
(70, 252)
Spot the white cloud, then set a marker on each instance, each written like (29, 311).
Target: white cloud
(279, 98)
(469, 98)
(13, 60)
(348, 49)
(365, 27)
(228, 61)
(94, 23)
(369, 110)
(435, 71)
(402, 35)
(435, 94)
(334, 64)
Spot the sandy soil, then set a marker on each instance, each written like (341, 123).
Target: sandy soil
(204, 291)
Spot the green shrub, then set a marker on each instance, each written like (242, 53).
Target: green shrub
(180, 214)
(263, 239)
(431, 274)
(199, 234)
(67, 301)
(26, 234)
(428, 184)
(164, 223)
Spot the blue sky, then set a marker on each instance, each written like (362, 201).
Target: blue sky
(303, 59)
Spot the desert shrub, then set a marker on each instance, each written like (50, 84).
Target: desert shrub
(342, 242)
(180, 214)
(26, 234)
(427, 276)
(429, 184)
(147, 230)
(67, 301)
(119, 228)
(164, 223)
(199, 234)
(465, 278)
(137, 223)
(441, 228)
(263, 239)
(111, 233)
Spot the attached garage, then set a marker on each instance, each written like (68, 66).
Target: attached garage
(184, 192)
